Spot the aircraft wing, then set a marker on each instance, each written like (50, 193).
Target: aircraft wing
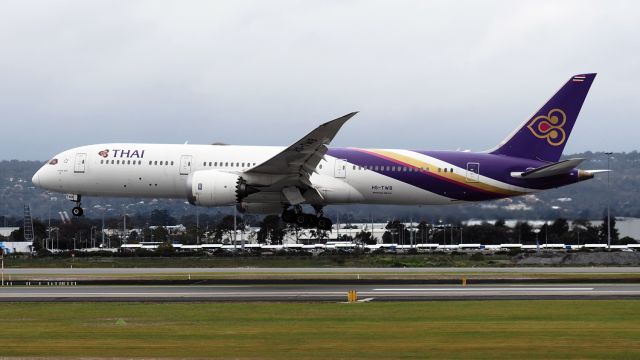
(301, 158)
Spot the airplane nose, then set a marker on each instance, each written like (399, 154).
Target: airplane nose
(36, 178)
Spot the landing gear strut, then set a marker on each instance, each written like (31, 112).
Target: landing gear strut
(307, 221)
(77, 210)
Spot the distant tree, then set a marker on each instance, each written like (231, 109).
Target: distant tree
(165, 249)
(364, 237)
(559, 231)
(133, 236)
(424, 231)
(387, 238)
(523, 233)
(225, 227)
(160, 234)
(626, 240)
(398, 232)
(271, 230)
(161, 217)
(603, 233)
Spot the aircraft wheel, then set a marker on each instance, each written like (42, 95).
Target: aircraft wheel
(311, 221)
(77, 211)
(288, 216)
(301, 220)
(324, 223)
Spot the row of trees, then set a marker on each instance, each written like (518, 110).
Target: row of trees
(580, 232)
(86, 232)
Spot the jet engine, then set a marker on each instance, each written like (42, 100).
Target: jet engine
(217, 188)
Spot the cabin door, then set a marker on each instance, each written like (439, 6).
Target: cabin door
(473, 172)
(341, 168)
(80, 163)
(185, 164)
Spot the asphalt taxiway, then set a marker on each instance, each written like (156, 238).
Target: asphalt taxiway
(382, 292)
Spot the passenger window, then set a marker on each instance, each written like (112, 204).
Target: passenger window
(118, 162)
(140, 162)
(445, 169)
(451, 169)
(438, 169)
(215, 163)
(242, 164)
(155, 162)
(226, 164)
(354, 167)
(320, 166)
(150, 162)
(160, 162)
(101, 161)
(204, 163)
(172, 163)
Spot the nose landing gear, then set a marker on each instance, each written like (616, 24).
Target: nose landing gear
(77, 210)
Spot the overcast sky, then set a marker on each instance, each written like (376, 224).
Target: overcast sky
(424, 75)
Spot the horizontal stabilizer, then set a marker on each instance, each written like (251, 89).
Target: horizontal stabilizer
(559, 168)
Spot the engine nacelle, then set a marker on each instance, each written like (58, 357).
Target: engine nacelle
(212, 188)
(260, 208)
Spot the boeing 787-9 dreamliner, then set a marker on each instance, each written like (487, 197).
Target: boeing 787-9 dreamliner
(274, 179)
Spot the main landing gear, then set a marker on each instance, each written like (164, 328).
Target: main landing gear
(77, 210)
(306, 221)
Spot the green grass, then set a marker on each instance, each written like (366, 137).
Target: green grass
(369, 260)
(591, 329)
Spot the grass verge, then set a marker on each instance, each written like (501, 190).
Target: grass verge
(590, 329)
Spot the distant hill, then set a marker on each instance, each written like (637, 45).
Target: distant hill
(586, 200)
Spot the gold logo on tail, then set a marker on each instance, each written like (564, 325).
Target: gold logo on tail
(549, 127)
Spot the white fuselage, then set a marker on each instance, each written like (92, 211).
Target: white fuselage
(163, 170)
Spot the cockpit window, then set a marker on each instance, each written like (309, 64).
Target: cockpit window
(53, 161)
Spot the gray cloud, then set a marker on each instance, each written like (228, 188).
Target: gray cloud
(432, 75)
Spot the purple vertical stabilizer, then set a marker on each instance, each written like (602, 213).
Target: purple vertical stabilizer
(545, 134)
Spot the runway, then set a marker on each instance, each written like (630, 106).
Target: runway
(315, 292)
